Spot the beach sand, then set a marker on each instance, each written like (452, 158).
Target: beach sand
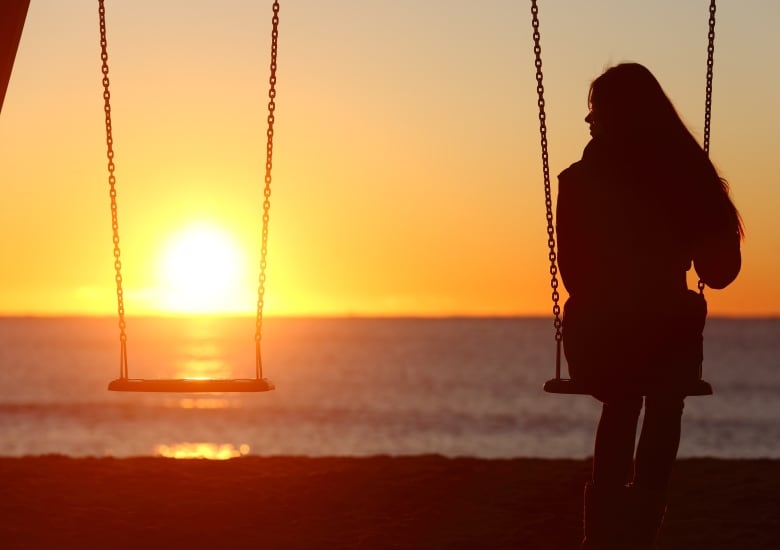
(422, 502)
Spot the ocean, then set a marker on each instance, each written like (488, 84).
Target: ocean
(350, 387)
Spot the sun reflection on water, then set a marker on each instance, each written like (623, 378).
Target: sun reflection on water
(202, 403)
(209, 451)
(202, 358)
(203, 368)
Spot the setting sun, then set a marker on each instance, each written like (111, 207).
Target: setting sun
(202, 270)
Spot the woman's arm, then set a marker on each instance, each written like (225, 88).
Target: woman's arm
(716, 251)
(718, 260)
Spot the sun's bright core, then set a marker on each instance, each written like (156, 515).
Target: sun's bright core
(201, 271)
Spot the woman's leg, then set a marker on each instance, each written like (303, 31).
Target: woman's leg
(604, 511)
(613, 454)
(655, 456)
(658, 442)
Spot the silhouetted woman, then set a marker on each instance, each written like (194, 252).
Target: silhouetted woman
(642, 206)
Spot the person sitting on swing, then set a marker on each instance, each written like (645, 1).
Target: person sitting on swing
(640, 208)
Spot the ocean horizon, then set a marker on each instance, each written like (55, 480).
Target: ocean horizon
(350, 386)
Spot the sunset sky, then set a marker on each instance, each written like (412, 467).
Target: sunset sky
(407, 176)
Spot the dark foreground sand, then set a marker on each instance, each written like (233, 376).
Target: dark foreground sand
(424, 502)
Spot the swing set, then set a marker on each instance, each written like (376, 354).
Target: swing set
(190, 385)
(11, 24)
(568, 385)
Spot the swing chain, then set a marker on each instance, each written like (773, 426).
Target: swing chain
(710, 63)
(267, 190)
(553, 257)
(708, 93)
(112, 191)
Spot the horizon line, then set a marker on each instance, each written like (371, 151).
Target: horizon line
(330, 316)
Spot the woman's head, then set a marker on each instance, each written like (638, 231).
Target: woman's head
(628, 105)
(627, 100)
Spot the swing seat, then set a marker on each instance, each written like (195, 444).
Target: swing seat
(191, 385)
(573, 387)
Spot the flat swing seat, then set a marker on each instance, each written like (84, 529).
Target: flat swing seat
(574, 387)
(191, 385)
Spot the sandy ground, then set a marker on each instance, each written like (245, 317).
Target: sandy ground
(423, 502)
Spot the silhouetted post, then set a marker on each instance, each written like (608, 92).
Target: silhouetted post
(12, 16)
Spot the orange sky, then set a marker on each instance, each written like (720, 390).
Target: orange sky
(407, 176)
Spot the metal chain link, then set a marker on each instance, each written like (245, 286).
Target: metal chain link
(553, 257)
(267, 191)
(112, 192)
(708, 94)
(710, 62)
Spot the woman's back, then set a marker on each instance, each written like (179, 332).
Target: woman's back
(621, 239)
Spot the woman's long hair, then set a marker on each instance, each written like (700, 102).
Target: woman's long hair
(633, 108)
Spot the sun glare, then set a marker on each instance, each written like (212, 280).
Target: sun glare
(211, 451)
(201, 271)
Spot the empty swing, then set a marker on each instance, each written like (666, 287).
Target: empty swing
(568, 385)
(124, 382)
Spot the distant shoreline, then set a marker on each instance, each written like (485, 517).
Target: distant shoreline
(374, 503)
